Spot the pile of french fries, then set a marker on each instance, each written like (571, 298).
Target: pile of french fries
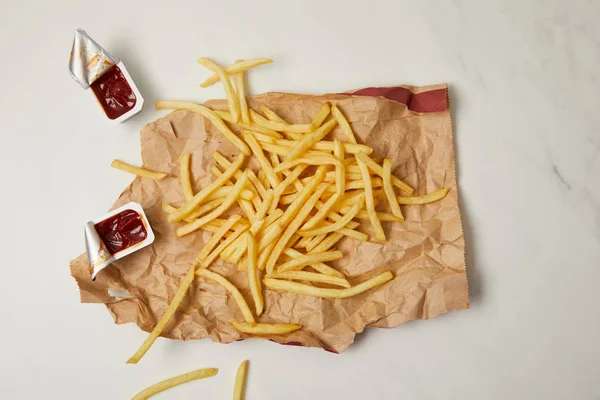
(309, 193)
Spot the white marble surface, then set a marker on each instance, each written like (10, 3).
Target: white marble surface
(525, 87)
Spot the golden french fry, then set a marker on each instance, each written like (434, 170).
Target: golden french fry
(297, 263)
(322, 268)
(343, 122)
(265, 205)
(222, 246)
(240, 377)
(272, 232)
(261, 137)
(272, 115)
(326, 145)
(265, 329)
(184, 176)
(309, 159)
(232, 98)
(428, 198)
(389, 189)
(208, 114)
(264, 163)
(176, 380)
(310, 277)
(378, 169)
(257, 184)
(229, 200)
(321, 214)
(302, 196)
(237, 296)
(309, 139)
(283, 151)
(213, 225)
(382, 216)
(170, 311)
(240, 66)
(293, 227)
(240, 88)
(321, 115)
(275, 162)
(340, 170)
(146, 173)
(303, 242)
(216, 237)
(330, 240)
(279, 126)
(299, 288)
(253, 279)
(377, 229)
(341, 223)
(264, 255)
(204, 208)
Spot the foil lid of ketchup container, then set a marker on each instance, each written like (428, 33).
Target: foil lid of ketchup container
(95, 68)
(115, 235)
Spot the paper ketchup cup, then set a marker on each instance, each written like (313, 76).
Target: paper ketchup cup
(115, 235)
(111, 84)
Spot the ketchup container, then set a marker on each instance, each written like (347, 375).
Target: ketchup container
(95, 68)
(115, 235)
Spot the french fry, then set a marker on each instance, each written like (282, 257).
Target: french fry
(272, 115)
(253, 279)
(389, 189)
(279, 126)
(322, 268)
(343, 122)
(428, 198)
(309, 139)
(213, 225)
(321, 214)
(229, 200)
(303, 242)
(382, 216)
(264, 163)
(378, 169)
(237, 296)
(184, 176)
(232, 98)
(226, 116)
(377, 229)
(240, 377)
(240, 88)
(326, 145)
(310, 277)
(265, 205)
(297, 263)
(275, 162)
(208, 114)
(146, 173)
(321, 115)
(340, 170)
(302, 196)
(262, 178)
(264, 255)
(341, 223)
(239, 66)
(222, 246)
(270, 235)
(176, 380)
(299, 288)
(265, 329)
(283, 151)
(293, 227)
(166, 317)
(310, 160)
(216, 237)
(257, 184)
(314, 240)
(261, 137)
(330, 240)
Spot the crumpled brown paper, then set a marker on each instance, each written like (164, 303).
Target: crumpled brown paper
(425, 253)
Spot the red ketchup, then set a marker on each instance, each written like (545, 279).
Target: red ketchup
(122, 230)
(114, 93)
